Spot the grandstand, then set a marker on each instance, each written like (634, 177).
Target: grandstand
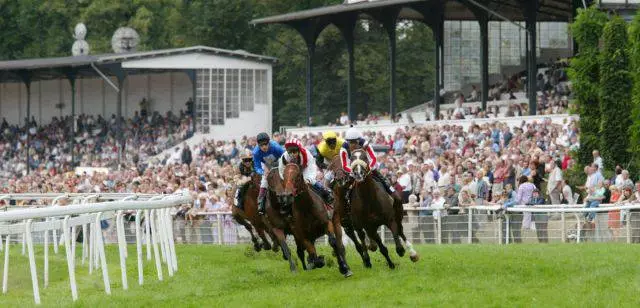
(230, 88)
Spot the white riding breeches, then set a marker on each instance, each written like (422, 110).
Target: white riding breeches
(309, 174)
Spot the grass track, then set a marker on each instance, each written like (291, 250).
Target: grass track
(554, 275)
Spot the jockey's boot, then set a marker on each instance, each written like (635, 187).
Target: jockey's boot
(261, 198)
(238, 199)
(242, 190)
(387, 186)
(324, 192)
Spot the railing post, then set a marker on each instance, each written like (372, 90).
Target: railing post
(507, 229)
(628, 227)
(220, 228)
(470, 226)
(564, 225)
(438, 228)
(500, 235)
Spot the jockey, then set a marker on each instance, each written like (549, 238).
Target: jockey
(297, 154)
(328, 149)
(354, 141)
(267, 152)
(246, 171)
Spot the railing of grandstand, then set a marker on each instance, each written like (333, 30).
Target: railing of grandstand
(391, 127)
(87, 212)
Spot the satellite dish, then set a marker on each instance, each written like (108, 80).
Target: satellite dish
(80, 46)
(125, 39)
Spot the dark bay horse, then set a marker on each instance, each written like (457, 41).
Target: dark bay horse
(372, 207)
(292, 208)
(249, 218)
(341, 217)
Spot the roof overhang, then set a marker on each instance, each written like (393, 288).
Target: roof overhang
(133, 63)
(549, 10)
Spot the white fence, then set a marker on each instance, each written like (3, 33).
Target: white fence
(89, 216)
(390, 128)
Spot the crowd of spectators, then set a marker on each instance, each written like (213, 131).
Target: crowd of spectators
(439, 167)
(96, 141)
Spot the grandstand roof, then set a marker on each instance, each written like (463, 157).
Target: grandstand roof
(549, 10)
(54, 68)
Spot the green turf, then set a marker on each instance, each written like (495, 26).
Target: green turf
(565, 275)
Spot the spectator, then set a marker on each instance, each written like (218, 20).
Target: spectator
(554, 183)
(186, 156)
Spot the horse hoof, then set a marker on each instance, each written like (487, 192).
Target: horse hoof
(367, 264)
(414, 258)
(392, 266)
(373, 247)
(400, 251)
(319, 262)
(285, 258)
(348, 274)
(266, 246)
(257, 247)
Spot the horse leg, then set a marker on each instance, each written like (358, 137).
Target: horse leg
(239, 219)
(286, 253)
(314, 260)
(363, 238)
(393, 226)
(413, 255)
(265, 243)
(373, 235)
(300, 252)
(364, 254)
(335, 244)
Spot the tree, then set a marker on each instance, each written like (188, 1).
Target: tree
(634, 50)
(615, 94)
(584, 73)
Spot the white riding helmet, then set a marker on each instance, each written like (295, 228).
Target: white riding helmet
(353, 134)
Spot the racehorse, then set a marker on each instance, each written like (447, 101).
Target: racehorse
(249, 218)
(292, 208)
(371, 206)
(341, 216)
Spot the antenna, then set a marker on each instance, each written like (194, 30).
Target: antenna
(80, 46)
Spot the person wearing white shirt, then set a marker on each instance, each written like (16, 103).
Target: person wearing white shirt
(437, 204)
(554, 183)
(597, 159)
(622, 180)
(405, 181)
(567, 193)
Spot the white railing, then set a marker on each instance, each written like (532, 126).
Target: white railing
(422, 226)
(25, 222)
(391, 128)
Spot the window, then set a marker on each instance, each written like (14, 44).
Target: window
(246, 90)
(261, 87)
(232, 93)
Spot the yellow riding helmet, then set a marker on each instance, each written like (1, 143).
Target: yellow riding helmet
(329, 135)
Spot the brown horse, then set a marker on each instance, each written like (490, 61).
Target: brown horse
(341, 216)
(249, 218)
(372, 207)
(292, 208)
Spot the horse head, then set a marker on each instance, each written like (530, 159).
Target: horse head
(292, 182)
(359, 165)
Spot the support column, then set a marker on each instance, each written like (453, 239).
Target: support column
(311, 50)
(438, 31)
(532, 69)
(26, 79)
(119, 123)
(71, 76)
(347, 29)
(390, 26)
(484, 59)
(192, 74)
